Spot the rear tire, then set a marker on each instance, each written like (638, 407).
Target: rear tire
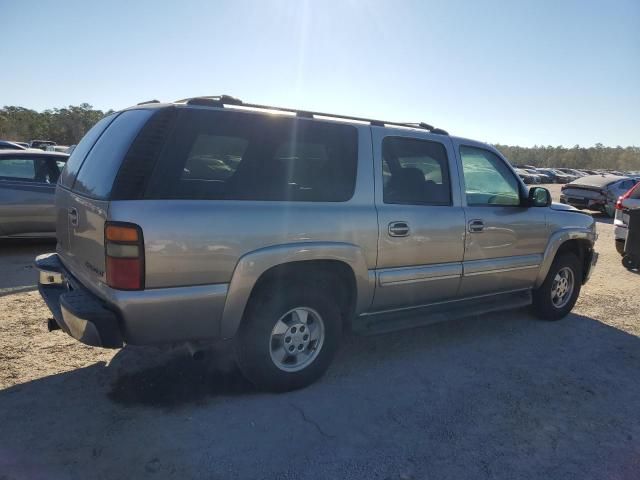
(557, 295)
(307, 318)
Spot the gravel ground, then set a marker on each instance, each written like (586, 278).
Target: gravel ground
(495, 396)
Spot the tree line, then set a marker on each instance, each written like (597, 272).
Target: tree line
(66, 126)
(598, 156)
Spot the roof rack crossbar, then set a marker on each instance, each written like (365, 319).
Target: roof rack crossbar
(222, 100)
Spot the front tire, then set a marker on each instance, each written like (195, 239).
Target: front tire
(288, 337)
(557, 295)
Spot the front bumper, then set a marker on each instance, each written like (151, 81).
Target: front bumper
(77, 311)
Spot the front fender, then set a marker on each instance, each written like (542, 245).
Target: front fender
(252, 265)
(557, 239)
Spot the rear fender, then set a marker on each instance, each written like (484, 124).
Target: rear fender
(252, 265)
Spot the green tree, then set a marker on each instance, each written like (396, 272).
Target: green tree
(65, 126)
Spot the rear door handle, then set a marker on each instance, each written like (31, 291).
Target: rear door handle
(398, 229)
(73, 217)
(476, 226)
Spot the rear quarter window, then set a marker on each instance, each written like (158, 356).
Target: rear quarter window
(217, 155)
(101, 165)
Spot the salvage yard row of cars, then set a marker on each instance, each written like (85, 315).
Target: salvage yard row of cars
(46, 145)
(531, 175)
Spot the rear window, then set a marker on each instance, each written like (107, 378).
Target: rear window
(101, 165)
(80, 151)
(635, 193)
(238, 156)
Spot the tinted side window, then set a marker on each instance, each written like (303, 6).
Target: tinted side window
(99, 169)
(80, 151)
(214, 157)
(17, 168)
(415, 172)
(238, 156)
(488, 180)
(27, 169)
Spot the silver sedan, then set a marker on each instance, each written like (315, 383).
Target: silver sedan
(27, 185)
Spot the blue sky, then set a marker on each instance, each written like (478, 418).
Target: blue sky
(523, 72)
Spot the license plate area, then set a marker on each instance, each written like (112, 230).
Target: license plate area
(51, 278)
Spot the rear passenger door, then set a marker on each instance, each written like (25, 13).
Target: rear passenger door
(27, 185)
(420, 218)
(505, 238)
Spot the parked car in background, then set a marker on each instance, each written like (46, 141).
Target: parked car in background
(563, 177)
(41, 144)
(525, 176)
(544, 177)
(554, 175)
(575, 174)
(7, 145)
(570, 174)
(209, 219)
(27, 186)
(57, 148)
(629, 201)
(596, 192)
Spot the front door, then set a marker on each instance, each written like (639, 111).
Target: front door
(421, 221)
(26, 195)
(505, 239)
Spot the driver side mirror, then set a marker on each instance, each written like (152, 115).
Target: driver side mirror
(539, 197)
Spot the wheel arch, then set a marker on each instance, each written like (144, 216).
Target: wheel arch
(577, 241)
(265, 265)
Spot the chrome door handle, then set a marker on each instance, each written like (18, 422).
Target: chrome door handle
(476, 226)
(73, 217)
(398, 229)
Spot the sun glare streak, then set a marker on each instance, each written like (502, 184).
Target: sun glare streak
(303, 42)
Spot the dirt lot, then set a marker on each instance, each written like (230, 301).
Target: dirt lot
(495, 396)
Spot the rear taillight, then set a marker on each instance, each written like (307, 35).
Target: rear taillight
(625, 196)
(124, 251)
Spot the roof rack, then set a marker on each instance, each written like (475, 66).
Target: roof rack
(149, 101)
(222, 100)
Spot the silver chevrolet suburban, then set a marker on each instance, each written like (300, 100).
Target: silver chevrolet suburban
(211, 219)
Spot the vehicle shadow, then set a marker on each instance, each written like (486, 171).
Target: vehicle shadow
(178, 380)
(503, 393)
(17, 273)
